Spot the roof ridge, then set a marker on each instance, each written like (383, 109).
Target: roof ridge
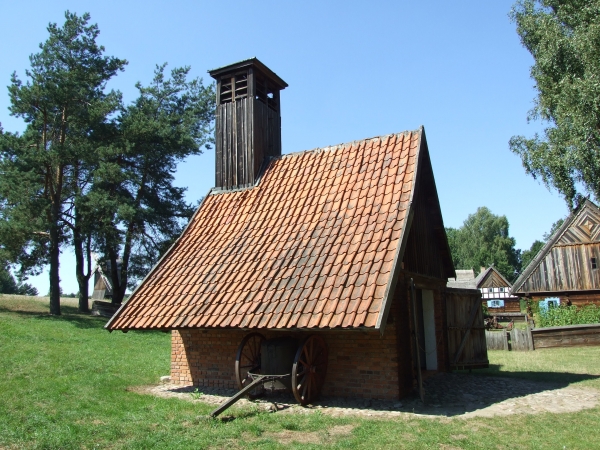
(334, 147)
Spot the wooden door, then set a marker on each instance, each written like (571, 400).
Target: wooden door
(467, 347)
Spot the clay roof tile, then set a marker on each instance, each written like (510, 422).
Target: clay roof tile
(310, 246)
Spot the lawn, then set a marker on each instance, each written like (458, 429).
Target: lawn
(67, 383)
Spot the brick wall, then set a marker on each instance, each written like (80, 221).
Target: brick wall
(361, 363)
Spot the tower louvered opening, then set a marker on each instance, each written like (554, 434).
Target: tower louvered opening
(266, 92)
(234, 87)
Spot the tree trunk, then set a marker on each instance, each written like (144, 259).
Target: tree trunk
(118, 283)
(54, 264)
(82, 278)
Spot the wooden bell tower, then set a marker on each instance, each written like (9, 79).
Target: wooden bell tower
(248, 121)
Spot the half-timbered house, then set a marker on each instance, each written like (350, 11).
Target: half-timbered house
(345, 242)
(495, 292)
(494, 288)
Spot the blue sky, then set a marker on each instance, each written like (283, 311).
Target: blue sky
(354, 69)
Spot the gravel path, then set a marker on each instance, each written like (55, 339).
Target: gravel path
(446, 395)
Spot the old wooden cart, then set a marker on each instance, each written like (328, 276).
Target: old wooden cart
(279, 364)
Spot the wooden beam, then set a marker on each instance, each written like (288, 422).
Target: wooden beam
(416, 339)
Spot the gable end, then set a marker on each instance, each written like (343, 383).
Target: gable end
(564, 263)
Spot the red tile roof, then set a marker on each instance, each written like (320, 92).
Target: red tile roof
(312, 245)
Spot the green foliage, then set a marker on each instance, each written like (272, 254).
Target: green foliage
(139, 211)
(8, 284)
(528, 255)
(482, 241)
(196, 395)
(568, 315)
(45, 172)
(563, 36)
(553, 229)
(523, 305)
(90, 172)
(484, 310)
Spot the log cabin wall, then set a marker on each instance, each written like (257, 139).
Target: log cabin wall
(573, 298)
(566, 268)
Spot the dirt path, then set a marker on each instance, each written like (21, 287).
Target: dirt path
(446, 395)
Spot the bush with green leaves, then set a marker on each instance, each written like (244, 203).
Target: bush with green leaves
(568, 315)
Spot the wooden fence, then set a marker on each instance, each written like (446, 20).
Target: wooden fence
(567, 336)
(496, 340)
(517, 340)
(523, 340)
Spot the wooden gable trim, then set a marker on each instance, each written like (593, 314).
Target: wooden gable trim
(397, 265)
(535, 262)
(422, 158)
(434, 211)
(490, 271)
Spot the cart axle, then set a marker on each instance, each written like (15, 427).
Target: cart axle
(257, 379)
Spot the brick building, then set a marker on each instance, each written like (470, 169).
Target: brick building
(337, 242)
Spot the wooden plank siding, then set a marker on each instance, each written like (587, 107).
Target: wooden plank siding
(568, 336)
(234, 157)
(566, 268)
(493, 279)
(459, 305)
(248, 122)
(573, 298)
(427, 251)
(509, 306)
(422, 252)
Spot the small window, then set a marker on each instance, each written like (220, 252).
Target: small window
(495, 303)
(501, 289)
(594, 265)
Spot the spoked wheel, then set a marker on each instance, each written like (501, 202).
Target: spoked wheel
(309, 369)
(248, 360)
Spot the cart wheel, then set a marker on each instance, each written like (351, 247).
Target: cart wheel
(309, 369)
(248, 360)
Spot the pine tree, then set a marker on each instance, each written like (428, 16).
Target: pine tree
(46, 172)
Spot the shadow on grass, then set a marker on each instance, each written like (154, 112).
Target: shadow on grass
(561, 378)
(69, 314)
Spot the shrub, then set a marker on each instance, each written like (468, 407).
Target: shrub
(568, 315)
(484, 310)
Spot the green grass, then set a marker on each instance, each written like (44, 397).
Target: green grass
(578, 366)
(67, 383)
